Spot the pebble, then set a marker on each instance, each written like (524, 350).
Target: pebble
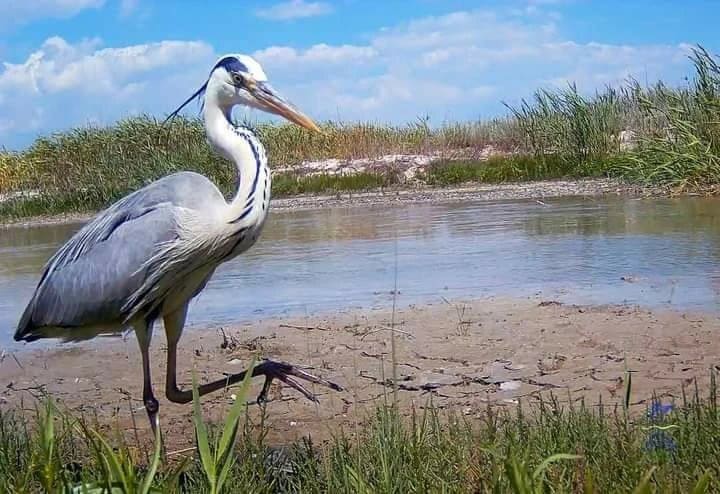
(510, 386)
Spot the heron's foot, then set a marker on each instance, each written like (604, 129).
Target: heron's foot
(287, 373)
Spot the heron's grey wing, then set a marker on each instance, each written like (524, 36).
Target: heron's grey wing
(88, 278)
(184, 189)
(88, 282)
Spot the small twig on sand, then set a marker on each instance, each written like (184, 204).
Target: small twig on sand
(386, 328)
(39, 391)
(445, 359)
(382, 355)
(228, 342)
(307, 328)
(181, 451)
(17, 361)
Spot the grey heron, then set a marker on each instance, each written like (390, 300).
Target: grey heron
(147, 255)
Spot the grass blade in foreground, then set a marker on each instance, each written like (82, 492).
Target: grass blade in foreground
(218, 460)
(121, 470)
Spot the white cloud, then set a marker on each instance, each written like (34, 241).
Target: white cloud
(291, 64)
(13, 12)
(72, 84)
(59, 66)
(456, 66)
(294, 9)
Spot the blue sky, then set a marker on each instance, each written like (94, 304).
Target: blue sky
(76, 62)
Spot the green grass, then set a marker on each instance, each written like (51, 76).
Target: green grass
(508, 169)
(290, 185)
(283, 185)
(543, 447)
(75, 201)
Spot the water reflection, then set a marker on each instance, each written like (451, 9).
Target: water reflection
(573, 249)
(633, 217)
(24, 251)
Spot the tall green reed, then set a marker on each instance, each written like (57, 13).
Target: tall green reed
(217, 458)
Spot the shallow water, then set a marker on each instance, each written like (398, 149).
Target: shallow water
(653, 252)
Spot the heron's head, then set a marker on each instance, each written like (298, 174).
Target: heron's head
(240, 80)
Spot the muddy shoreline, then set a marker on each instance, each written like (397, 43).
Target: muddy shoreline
(462, 355)
(418, 194)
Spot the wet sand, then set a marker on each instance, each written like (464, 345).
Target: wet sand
(463, 355)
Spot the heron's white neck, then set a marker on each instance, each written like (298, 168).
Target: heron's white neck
(242, 147)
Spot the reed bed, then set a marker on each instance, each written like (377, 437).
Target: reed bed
(652, 135)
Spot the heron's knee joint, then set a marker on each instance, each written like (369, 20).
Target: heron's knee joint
(151, 405)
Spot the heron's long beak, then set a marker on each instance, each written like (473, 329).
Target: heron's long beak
(275, 103)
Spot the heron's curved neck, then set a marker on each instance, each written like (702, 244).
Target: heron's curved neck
(241, 146)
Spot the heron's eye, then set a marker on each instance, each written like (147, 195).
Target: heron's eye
(238, 79)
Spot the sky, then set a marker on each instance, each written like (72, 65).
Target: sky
(68, 63)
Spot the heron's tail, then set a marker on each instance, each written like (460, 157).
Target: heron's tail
(26, 328)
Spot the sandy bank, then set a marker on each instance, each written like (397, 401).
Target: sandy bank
(463, 355)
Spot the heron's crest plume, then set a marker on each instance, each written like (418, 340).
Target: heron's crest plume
(231, 63)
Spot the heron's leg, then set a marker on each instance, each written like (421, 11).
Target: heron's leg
(144, 334)
(271, 370)
(174, 324)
